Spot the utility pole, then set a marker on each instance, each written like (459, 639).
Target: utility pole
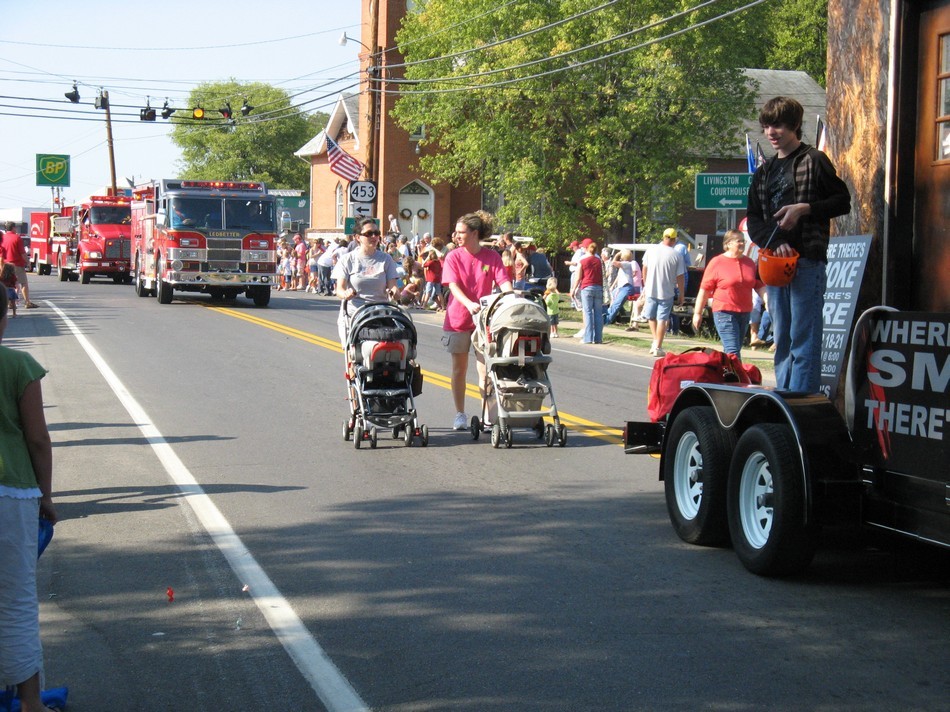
(102, 102)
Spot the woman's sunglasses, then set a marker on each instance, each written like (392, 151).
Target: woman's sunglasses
(371, 233)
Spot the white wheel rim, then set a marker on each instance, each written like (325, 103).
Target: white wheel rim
(755, 500)
(687, 473)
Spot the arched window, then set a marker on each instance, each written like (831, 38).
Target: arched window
(340, 204)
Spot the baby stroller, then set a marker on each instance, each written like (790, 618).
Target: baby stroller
(382, 378)
(513, 334)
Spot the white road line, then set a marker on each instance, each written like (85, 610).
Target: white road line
(331, 687)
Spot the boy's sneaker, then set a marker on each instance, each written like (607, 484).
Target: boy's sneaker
(658, 352)
(461, 422)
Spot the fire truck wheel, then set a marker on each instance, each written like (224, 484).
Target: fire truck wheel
(695, 476)
(63, 273)
(767, 503)
(260, 295)
(140, 289)
(84, 277)
(164, 291)
(46, 270)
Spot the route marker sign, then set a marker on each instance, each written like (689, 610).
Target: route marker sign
(722, 191)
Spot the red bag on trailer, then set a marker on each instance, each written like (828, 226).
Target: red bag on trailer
(672, 373)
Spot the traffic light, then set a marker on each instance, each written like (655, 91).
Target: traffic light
(246, 109)
(197, 113)
(147, 114)
(73, 95)
(167, 110)
(226, 112)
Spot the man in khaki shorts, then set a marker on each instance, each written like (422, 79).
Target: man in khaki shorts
(13, 250)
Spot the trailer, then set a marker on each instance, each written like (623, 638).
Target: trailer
(766, 470)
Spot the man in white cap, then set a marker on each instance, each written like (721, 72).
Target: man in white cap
(664, 271)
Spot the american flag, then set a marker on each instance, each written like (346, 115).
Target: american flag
(342, 163)
(750, 156)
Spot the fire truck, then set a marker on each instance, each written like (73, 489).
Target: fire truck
(87, 240)
(213, 237)
(54, 243)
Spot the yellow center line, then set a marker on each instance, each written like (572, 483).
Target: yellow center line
(581, 425)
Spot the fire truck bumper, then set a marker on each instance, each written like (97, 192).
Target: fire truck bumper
(105, 266)
(220, 279)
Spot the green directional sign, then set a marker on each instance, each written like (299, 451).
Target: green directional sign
(52, 169)
(722, 191)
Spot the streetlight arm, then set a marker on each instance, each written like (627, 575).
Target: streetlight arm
(344, 39)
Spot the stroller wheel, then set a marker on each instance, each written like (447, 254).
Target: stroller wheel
(358, 437)
(407, 437)
(539, 428)
(550, 435)
(396, 433)
(495, 435)
(347, 430)
(424, 435)
(509, 436)
(561, 436)
(476, 427)
(373, 437)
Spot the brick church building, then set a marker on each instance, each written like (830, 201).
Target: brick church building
(360, 124)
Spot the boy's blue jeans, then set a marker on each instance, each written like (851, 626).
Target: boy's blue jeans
(797, 327)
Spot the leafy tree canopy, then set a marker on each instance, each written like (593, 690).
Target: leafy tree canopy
(258, 147)
(564, 126)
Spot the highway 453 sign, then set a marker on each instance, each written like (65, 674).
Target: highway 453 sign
(722, 191)
(362, 191)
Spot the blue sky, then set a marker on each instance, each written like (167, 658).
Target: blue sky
(153, 50)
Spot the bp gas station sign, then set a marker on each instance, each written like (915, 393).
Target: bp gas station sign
(722, 191)
(52, 169)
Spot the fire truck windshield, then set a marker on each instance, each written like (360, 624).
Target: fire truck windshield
(243, 214)
(110, 215)
(196, 212)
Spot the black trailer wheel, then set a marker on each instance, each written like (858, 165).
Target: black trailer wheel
(766, 503)
(696, 475)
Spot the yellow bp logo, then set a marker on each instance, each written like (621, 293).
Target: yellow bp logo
(52, 169)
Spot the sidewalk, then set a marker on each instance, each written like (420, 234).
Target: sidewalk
(641, 341)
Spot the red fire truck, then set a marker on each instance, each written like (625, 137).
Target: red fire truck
(87, 240)
(215, 237)
(54, 243)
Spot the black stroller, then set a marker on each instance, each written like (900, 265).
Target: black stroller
(512, 332)
(382, 378)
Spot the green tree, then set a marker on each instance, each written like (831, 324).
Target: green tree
(258, 147)
(798, 33)
(603, 141)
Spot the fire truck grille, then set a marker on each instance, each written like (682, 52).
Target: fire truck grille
(224, 253)
(118, 249)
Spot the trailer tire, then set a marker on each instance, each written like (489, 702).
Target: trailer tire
(696, 476)
(767, 503)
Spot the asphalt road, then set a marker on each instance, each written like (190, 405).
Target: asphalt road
(198, 447)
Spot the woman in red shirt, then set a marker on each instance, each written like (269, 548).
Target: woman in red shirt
(729, 280)
(590, 286)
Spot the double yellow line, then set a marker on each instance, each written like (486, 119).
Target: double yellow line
(589, 428)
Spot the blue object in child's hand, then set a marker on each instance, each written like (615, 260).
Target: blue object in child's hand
(45, 534)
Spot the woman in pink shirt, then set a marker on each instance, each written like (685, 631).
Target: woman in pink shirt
(470, 272)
